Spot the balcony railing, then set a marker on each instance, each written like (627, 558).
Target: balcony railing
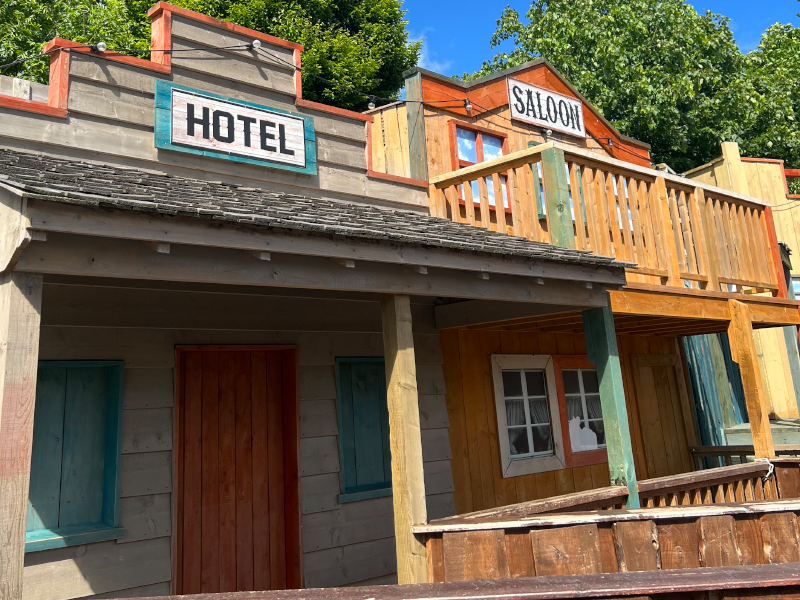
(679, 233)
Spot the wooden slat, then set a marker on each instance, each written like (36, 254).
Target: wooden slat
(469, 203)
(451, 193)
(779, 534)
(262, 463)
(577, 202)
(636, 545)
(499, 204)
(625, 220)
(749, 540)
(483, 192)
(688, 234)
(244, 473)
(788, 478)
(717, 541)
(277, 491)
(210, 473)
(291, 468)
(608, 553)
(435, 550)
(475, 555)
(520, 554)
(192, 483)
(679, 546)
(638, 236)
(227, 472)
(614, 216)
(660, 202)
(595, 230)
(676, 231)
(566, 551)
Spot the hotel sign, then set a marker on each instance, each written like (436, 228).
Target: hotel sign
(197, 122)
(545, 108)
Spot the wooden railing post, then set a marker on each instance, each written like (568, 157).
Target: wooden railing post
(20, 317)
(709, 246)
(667, 233)
(408, 485)
(556, 190)
(743, 352)
(601, 345)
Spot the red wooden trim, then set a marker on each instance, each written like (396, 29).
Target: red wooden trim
(573, 459)
(793, 196)
(41, 108)
(479, 129)
(764, 160)
(776, 252)
(161, 38)
(58, 90)
(792, 172)
(184, 12)
(113, 56)
(298, 74)
(303, 103)
(396, 178)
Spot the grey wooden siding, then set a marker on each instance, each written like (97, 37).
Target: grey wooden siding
(346, 544)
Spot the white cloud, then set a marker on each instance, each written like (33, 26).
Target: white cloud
(428, 59)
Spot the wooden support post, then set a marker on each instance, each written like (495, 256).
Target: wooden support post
(737, 178)
(20, 315)
(415, 113)
(743, 352)
(556, 191)
(408, 484)
(601, 345)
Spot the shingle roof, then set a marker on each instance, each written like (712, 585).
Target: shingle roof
(109, 186)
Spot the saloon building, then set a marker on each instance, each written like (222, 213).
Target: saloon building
(253, 342)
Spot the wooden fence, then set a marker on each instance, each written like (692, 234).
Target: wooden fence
(677, 232)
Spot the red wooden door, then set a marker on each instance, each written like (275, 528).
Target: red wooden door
(237, 502)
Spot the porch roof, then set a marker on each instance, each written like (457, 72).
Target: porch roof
(109, 186)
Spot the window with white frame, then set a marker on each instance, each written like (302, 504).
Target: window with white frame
(584, 411)
(549, 413)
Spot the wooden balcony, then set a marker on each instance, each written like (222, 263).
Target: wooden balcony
(679, 233)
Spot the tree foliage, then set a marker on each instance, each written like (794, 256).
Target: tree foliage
(664, 74)
(358, 45)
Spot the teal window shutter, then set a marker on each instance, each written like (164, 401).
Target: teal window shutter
(73, 496)
(363, 428)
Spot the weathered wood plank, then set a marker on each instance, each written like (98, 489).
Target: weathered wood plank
(637, 546)
(718, 542)
(475, 555)
(146, 473)
(145, 517)
(566, 551)
(20, 316)
(779, 534)
(679, 546)
(148, 388)
(146, 430)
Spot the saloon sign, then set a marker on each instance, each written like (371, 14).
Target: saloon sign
(202, 123)
(547, 109)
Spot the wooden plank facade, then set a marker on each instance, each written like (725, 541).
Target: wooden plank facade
(311, 377)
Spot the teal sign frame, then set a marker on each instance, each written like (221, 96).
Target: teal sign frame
(163, 130)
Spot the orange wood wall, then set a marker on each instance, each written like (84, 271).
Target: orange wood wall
(475, 464)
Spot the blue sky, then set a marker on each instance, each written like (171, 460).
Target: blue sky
(457, 32)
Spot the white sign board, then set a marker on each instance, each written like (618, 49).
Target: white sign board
(545, 108)
(208, 123)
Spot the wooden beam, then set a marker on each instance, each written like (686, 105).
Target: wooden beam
(103, 257)
(559, 216)
(601, 345)
(408, 482)
(415, 114)
(90, 221)
(497, 313)
(743, 352)
(20, 317)
(14, 233)
(636, 302)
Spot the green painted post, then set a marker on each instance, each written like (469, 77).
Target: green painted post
(556, 190)
(601, 344)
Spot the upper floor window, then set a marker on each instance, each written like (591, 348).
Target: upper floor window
(549, 414)
(474, 146)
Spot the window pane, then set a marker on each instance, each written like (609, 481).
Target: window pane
(593, 406)
(515, 412)
(466, 145)
(574, 407)
(599, 431)
(571, 385)
(512, 383)
(490, 190)
(542, 439)
(535, 382)
(796, 286)
(518, 441)
(492, 147)
(590, 384)
(539, 412)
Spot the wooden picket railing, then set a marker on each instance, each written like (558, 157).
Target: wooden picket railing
(679, 233)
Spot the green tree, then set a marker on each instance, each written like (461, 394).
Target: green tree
(354, 44)
(773, 131)
(658, 70)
